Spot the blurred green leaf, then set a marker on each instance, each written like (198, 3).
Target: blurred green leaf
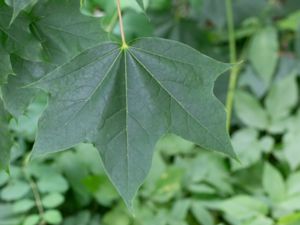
(4, 177)
(291, 140)
(172, 145)
(23, 205)
(19, 39)
(278, 104)
(263, 53)
(5, 66)
(180, 210)
(243, 208)
(53, 217)
(202, 215)
(168, 184)
(18, 6)
(248, 147)
(53, 183)
(273, 183)
(291, 22)
(32, 220)
(15, 190)
(291, 219)
(250, 111)
(52, 200)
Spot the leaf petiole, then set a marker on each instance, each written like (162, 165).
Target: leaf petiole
(124, 44)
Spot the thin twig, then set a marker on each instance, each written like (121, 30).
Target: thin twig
(35, 191)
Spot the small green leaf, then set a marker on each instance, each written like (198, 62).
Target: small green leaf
(5, 66)
(290, 219)
(4, 177)
(141, 4)
(53, 183)
(242, 207)
(18, 6)
(201, 214)
(248, 148)
(53, 200)
(62, 35)
(260, 220)
(273, 183)
(279, 105)
(291, 141)
(291, 22)
(23, 205)
(32, 220)
(19, 39)
(124, 100)
(67, 32)
(53, 217)
(17, 98)
(263, 53)
(15, 190)
(250, 111)
(293, 184)
(180, 209)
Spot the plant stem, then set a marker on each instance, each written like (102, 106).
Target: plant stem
(124, 45)
(35, 191)
(233, 59)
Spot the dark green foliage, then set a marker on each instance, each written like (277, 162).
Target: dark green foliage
(64, 67)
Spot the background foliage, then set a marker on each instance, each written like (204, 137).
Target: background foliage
(187, 185)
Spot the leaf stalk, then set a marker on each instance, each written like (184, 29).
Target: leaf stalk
(124, 44)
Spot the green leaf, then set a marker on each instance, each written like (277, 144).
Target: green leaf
(17, 98)
(63, 35)
(290, 219)
(297, 42)
(75, 171)
(248, 148)
(53, 217)
(201, 214)
(53, 200)
(291, 22)
(141, 4)
(32, 220)
(273, 183)
(242, 207)
(66, 32)
(279, 105)
(102, 189)
(180, 210)
(260, 220)
(15, 190)
(173, 145)
(5, 138)
(291, 142)
(53, 183)
(5, 66)
(250, 111)
(26, 125)
(18, 6)
(124, 100)
(263, 53)
(4, 177)
(19, 39)
(22, 206)
(293, 184)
